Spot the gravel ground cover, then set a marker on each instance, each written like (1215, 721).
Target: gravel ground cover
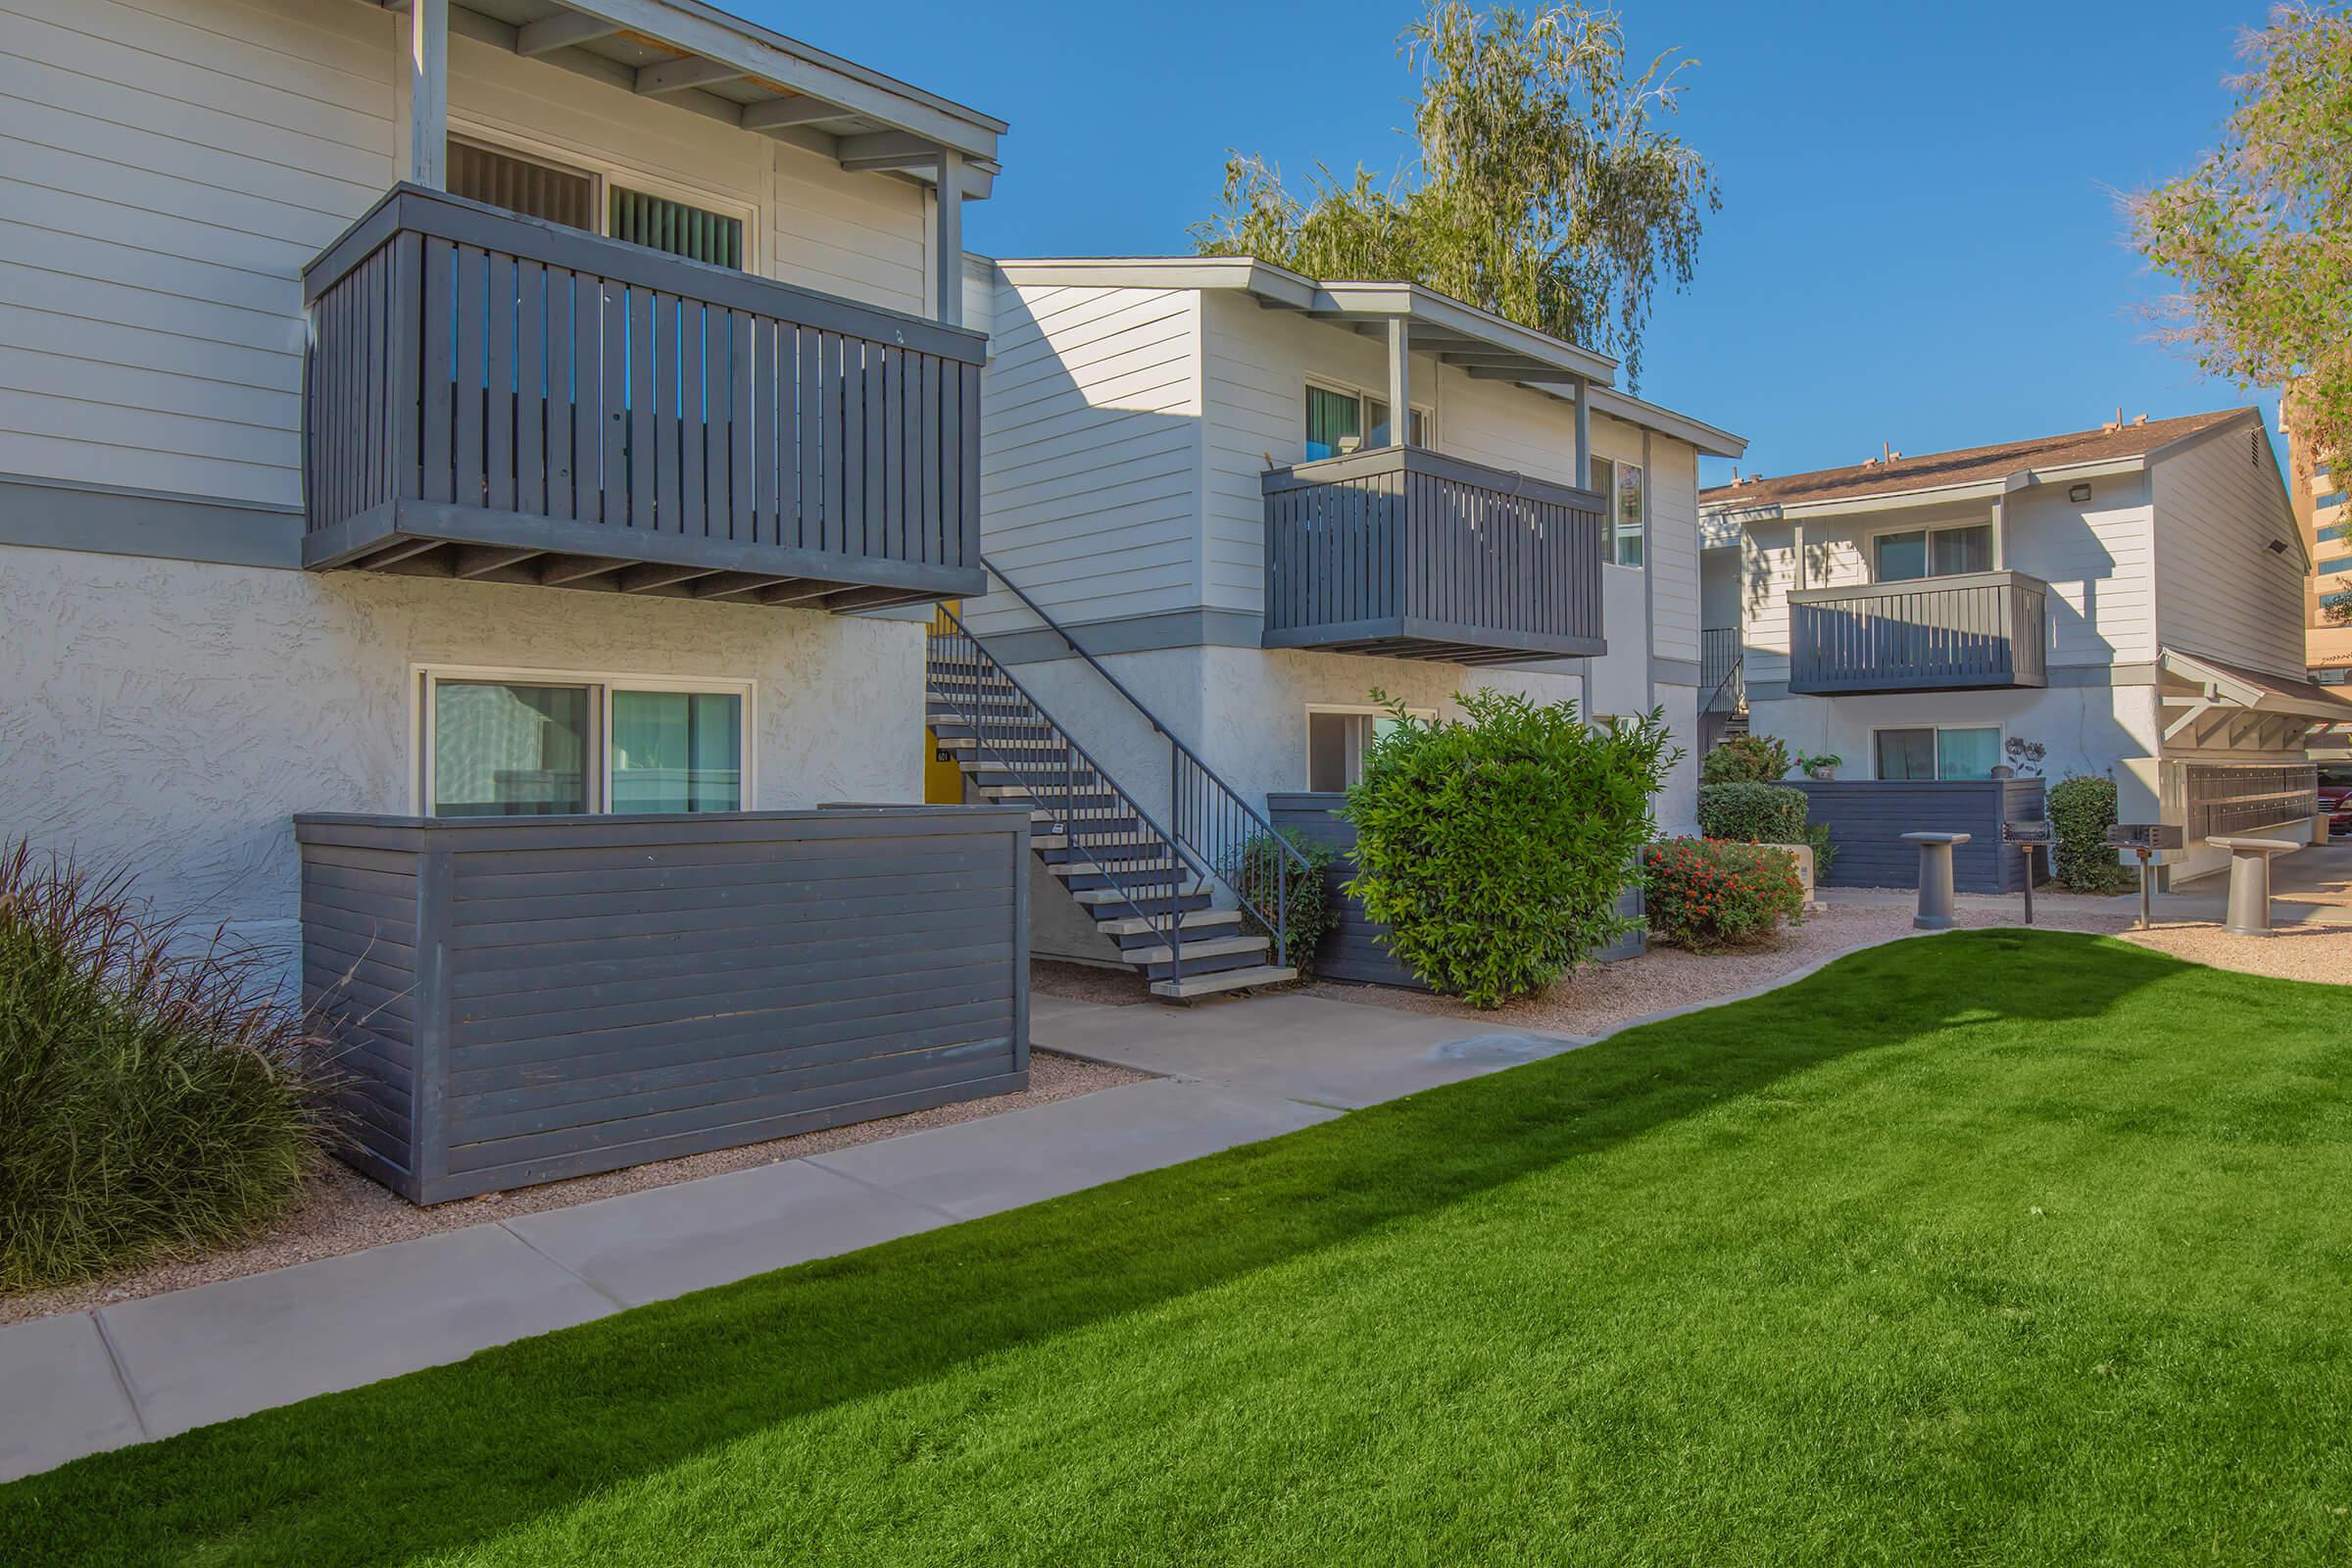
(346, 1212)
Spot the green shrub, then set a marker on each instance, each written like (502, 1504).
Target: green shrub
(2081, 807)
(1707, 894)
(1825, 852)
(153, 1097)
(1746, 759)
(1305, 905)
(1752, 814)
(1495, 846)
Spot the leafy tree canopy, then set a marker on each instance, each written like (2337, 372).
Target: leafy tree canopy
(2258, 235)
(1546, 188)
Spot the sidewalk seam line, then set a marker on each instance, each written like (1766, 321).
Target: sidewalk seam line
(113, 1359)
(818, 1161)
(565, 1267)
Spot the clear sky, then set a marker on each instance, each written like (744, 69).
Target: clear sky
(1918, 241)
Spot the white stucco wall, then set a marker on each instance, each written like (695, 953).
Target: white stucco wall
(172, 716)
(2086, 728)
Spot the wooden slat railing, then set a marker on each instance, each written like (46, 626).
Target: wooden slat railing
(488, 379)
(1979, 630)
(1411, 554)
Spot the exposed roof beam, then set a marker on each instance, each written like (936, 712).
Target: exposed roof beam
(677, 75)
(777, 113)
(561, 31)
(887, 149)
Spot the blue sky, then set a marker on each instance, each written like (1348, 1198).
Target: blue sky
(1919, 243)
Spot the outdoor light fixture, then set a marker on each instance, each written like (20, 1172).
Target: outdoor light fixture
(2081, 492)
(2277, 547)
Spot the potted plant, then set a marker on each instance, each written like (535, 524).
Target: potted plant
(1822, 766)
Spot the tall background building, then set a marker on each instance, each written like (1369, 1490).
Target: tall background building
(2327, 523)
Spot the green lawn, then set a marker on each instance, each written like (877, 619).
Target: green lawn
(1993, 1249)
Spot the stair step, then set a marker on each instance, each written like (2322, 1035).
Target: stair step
(1125, 902)
(1161, 955)
(1094, 849)
(1127, 929)
(1054, 797)
(1080, 877)
(1206, 964)
(1208, 985)
(998, 741)
(1050, 823)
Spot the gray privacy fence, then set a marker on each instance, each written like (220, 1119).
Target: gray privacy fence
(1354, 950)
(520, 1000)
(1866, 819)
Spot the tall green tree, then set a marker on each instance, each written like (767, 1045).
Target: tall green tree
(1546, 187)
(2259, 234)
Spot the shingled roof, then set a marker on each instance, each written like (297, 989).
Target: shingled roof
(1937, 470)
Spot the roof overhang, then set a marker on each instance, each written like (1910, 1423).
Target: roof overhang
(2208, 702)
(1707, 438)
(719, 66)
(1485, 345)
(1986, 490)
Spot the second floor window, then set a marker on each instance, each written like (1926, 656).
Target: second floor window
(1340, 421)
(1931, 553)
(1625, 511)
(537, 189)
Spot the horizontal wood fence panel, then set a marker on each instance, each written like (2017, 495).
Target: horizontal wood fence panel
(484, 392)
(1868, 818)
(670, 1011)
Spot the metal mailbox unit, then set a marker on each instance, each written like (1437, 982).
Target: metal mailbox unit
(519, 1000)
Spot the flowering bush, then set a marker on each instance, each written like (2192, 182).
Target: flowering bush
(1707, 894)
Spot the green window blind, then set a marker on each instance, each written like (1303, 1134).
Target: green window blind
(662, 225)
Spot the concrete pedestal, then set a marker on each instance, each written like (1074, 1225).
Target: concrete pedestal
(2249, 912)
(1935, 909)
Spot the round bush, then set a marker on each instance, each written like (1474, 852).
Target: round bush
(1752, 814)
(2081, 807)
(1304, 905)
(153, 1100)
(1746, 759)
(1495, 846)
(1706, 895)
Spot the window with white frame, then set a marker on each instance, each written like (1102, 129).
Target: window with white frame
(498, 742)
(1342, 419)
(1625, 511)
(604, 201)
(1914, 553)
(1339, 738)
(1937, 752)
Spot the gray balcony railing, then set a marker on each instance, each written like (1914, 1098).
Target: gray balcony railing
(1411, 555)
(1977, 630)
(491, 396)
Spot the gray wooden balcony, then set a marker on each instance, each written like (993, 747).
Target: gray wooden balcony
(1411, 555)
(1980, 630)
(493, 397)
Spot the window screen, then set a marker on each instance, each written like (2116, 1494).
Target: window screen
(519, 185)
(1331, 417)
(662, 225)
(1901, 557)
(1959, 549)
(1905, 754)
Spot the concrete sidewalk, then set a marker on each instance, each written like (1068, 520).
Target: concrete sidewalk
(1232, 1073)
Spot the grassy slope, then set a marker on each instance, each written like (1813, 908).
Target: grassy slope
(1997, 1247)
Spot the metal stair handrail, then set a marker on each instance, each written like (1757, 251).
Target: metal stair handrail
(1189, 779)
(1172, 934)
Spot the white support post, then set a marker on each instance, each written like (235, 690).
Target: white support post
(428, 93)
(1797, 535)
(1583, 434)
(1401, 380)
(2000, 533)
(948, 240)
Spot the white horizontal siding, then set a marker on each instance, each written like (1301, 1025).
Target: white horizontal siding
(1090, 452)
(166, 168)
(2094, 556)
(2220, 588)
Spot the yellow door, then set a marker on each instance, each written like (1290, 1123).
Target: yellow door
(942, 780)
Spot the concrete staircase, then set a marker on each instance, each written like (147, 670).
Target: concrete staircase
(1139, 888)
